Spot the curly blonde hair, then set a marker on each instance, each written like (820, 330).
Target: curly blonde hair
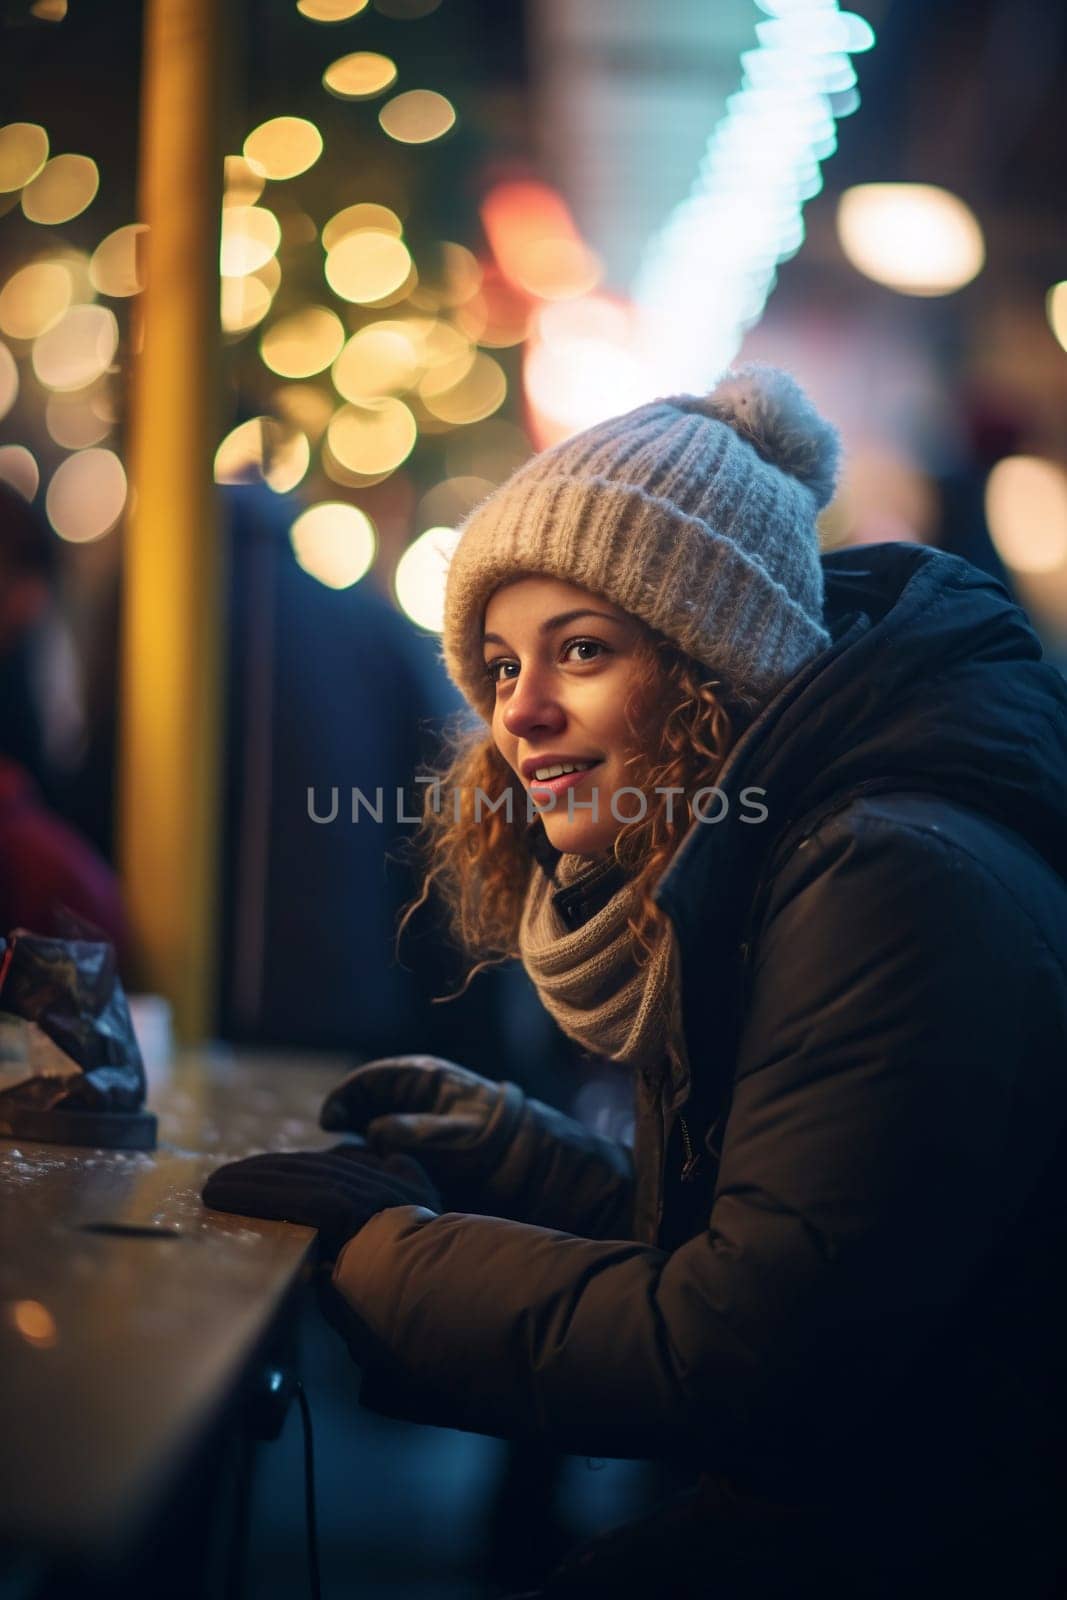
(477, 856)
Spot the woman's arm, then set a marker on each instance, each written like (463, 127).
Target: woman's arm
(488, 1147)
(873, 1154)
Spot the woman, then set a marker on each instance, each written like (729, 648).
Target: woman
(819, 913)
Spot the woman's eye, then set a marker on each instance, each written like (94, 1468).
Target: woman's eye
(593, 646)
(492, 669)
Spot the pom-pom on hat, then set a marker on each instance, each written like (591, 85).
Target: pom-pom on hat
(694, 513)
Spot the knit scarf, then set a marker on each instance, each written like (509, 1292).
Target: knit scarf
(588, 978)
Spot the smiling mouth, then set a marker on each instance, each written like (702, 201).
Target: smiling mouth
(561, 776)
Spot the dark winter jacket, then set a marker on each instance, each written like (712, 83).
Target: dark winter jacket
(830, 1279)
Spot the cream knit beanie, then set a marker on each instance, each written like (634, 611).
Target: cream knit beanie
(695, 513)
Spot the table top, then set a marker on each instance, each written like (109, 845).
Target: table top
(128, 1311)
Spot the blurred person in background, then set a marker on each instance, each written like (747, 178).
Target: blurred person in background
(786, 841)
(47, 868)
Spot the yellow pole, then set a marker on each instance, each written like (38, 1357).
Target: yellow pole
(172, 611)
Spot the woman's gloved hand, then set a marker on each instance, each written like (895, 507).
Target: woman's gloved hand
(457, 1123)
(335, 1190)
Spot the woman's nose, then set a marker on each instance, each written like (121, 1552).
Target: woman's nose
(532, 706)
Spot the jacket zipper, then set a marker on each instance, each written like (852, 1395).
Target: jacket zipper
(691, 1164)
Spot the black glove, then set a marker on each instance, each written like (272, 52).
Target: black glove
(459, 1124)
(335, 1190)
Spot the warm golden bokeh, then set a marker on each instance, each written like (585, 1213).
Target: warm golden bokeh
(334, 542)
(61, 190)
(9, 380)
(417, 116)
(419, 581)
(305, 405)
(381, 359)
(242, 184)
(331, 10)
(86, 496)
(360, 76)
(912, 237)
(23, 153)
(1056, 310)
(244, 302)
(74, 422)
(367, 266)
(78, 349)
(477, 394)
(19, 469)
(117, 267)
(374, 437)
(302, 344)
(1026, 509)
(362, 218)
(35, 1323)
(250, 236)
(283, 147)
(263, 450)
(34, 299)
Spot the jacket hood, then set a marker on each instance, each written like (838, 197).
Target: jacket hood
(934, 682)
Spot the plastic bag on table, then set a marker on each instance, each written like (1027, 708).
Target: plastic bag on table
(70, 989)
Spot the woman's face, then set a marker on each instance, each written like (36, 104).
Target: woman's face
(563, 662)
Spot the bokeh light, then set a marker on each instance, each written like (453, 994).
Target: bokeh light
(372, 438)
(303, 343)
(86, 495)
(367, 266)
(535, 242)
(582, 365)
(19, 469)
(49, 10)
(362, 218)
(250, 236)
(74, 422)
(116, 268)
(381, 359)
(9, 380)
(242, 184)
(448, 356)
(76, 262)
(270, 275)
(61, 190)
(283, 147)
(1056, 307)
(912, 237)
(34, 299)
(334, 542)
(461, 274)
(419, 582)
(244, 302)
(480, 392)
(360, 76)
(331, 10)
(23, 153)
(498, 316)
(305, 405)
(1026, 508)
(78, 349)
(417, 116)
(33, 1320)
(263, 450)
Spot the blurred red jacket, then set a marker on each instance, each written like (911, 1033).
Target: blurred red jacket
(46, 868)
